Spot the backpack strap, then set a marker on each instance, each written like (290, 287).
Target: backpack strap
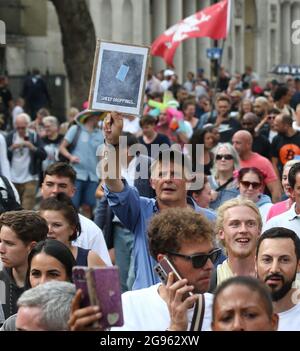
(75, 139)
(8, 187)
(198, 315)
(221, 187)
(213, 280)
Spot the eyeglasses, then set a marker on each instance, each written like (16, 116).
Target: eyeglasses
(226, 157)
(247, 184)
(199, 260)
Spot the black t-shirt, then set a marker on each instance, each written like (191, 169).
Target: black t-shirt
(5, 98)
(56, 141)
(285, 148)
(228, 128)
(159, 140)
(12, 292)
(262, 146)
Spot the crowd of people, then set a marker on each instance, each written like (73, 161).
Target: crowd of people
(207, 178)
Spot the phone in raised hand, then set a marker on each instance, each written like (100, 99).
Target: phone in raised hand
(163, 268)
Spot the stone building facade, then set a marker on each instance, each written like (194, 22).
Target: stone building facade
(260, 33)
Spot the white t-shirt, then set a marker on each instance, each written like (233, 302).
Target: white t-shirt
(264, 210)
(290, 320)
(92, 238)
(4, 163)
(145, 310)
(4, 193)
(296, 126)
(272, 134)
(289, 219)
(20, 163)
(15, 112)
(131, 126)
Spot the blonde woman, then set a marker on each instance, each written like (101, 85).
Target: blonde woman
(222, 180)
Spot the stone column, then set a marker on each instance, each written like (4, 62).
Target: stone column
(262, 37)
(175, 15)
(203, 44)
(285, 32)
(117, 18)
(138, 22)
(105, 17)
(295, 59)
(159, 25)
(190, 45)
(146, 22)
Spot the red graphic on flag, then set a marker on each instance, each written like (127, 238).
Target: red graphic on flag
(212, 22)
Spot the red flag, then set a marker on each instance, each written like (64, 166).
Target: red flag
(212, 22)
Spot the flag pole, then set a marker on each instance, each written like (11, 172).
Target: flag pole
(215, 86)
(219, 64)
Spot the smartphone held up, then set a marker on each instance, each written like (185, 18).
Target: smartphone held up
(163, 268)
(101, 286)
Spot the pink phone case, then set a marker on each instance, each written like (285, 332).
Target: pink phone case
(105, 291)
(79, 279)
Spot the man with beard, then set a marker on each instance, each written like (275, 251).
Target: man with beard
(277, 264)
(285, 146)
(260, 143)
(238, 226)
(226, 125)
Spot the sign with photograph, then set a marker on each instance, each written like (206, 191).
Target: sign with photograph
(118, 79)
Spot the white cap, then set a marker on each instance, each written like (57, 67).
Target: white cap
(168, 72)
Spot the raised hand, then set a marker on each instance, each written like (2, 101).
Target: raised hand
(179, 303)
(82, 319)
(112, 127)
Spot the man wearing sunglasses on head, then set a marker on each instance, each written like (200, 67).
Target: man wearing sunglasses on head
(185, 238)
(238, 227)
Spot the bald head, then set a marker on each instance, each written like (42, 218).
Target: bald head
(242, 142)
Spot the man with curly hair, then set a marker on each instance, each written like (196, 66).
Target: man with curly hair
(186, 239)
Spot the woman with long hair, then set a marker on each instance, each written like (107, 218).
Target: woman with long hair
(286, 204)
(206, 138)
(48, 260)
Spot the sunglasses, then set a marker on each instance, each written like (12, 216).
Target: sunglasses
(199, 260)
(246, 184)
(226, 157)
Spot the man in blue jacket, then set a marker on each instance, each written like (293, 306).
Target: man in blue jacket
(134, 211)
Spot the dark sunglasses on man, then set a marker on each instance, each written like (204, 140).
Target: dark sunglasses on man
(199, 260)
